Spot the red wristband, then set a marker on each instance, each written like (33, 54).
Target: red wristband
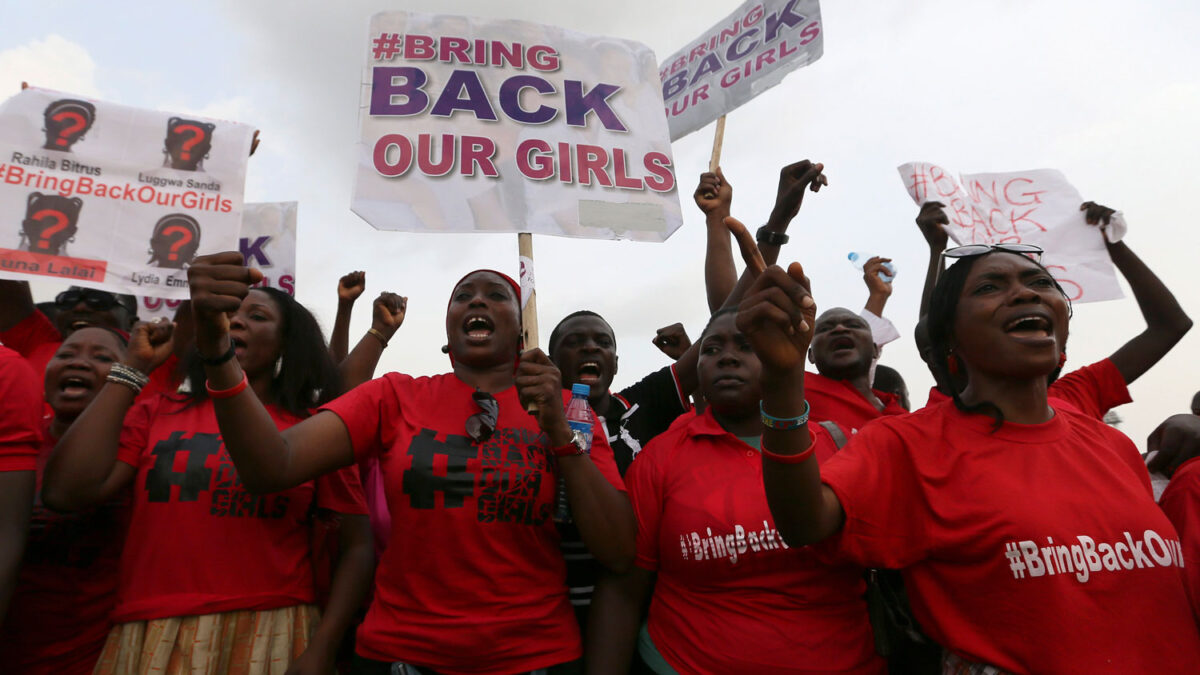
(791, 459)
(230, 392)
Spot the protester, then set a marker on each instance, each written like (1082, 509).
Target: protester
(473, 579)
(997, 544)
(28, 331)
(727, 594)
(214, 578)
(888, 379)
(71, 560)
(1096, 388)
(584, 349)
(20, 424)
(1179, 435)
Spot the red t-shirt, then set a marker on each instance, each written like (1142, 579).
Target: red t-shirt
(35, 338)
(1034, 548)
(472, 580)
(71, 561)
(198, 542)
(163, 379)
(730, 595)
(839, 401)
(1092, 390)
(20, 413)
(1181, 502)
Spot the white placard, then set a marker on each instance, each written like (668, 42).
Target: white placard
(742, 56)
(268, 240)
(475, 125)
(1037, 206)
(114, 197)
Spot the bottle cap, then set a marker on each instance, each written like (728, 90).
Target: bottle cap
(578, 389)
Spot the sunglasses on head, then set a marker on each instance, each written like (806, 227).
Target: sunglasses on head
(1032, 251)
(482, 424)
(96, 300)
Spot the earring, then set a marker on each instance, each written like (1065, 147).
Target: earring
(952, 363)
(1062, 360)
(278, 366)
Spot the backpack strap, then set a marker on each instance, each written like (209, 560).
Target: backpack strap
(839, 436)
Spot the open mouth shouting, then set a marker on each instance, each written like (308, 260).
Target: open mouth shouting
(75, 387)
(842, 343)
(1031, 328)
(590, 372)
(80, 323)
(479, 328)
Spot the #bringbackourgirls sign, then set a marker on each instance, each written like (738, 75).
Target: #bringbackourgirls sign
(745, 54)
(473, 125)
(114, 197)
(1037, 207)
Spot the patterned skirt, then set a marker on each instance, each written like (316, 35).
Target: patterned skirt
(244, 642)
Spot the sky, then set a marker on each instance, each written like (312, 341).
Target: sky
(1108, 93)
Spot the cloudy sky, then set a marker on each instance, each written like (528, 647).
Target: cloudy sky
(1108, 93)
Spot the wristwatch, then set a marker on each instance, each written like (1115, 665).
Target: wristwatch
(770, 237)
(577, 446)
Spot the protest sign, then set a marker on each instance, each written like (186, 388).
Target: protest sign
(268, 241)
(1029, 207)
(474, 125)
(742, 56)
(114, 197)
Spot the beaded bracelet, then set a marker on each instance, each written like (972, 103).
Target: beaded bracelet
(230, 392)
(378, 336)
(791, 459)
(129, 376)
(784, 423)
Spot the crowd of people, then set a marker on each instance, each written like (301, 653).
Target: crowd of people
(229, 492)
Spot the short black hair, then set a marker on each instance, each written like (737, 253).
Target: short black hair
(556, 334)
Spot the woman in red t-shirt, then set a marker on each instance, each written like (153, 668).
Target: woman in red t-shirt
(728, 594)
(214, 579)
(70, 559)
(472, 580)
(1027, 535)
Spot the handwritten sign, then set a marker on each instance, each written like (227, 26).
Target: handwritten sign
(268, 241)
(113, 197)
(742, 56)
(1031, 207)
(473, 125)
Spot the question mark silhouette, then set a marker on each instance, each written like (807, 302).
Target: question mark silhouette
(68, 131)
(178, 244)
(197, 136)
(60, 223)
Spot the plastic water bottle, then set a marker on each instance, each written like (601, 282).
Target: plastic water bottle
(579, 418)
(858, 259)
